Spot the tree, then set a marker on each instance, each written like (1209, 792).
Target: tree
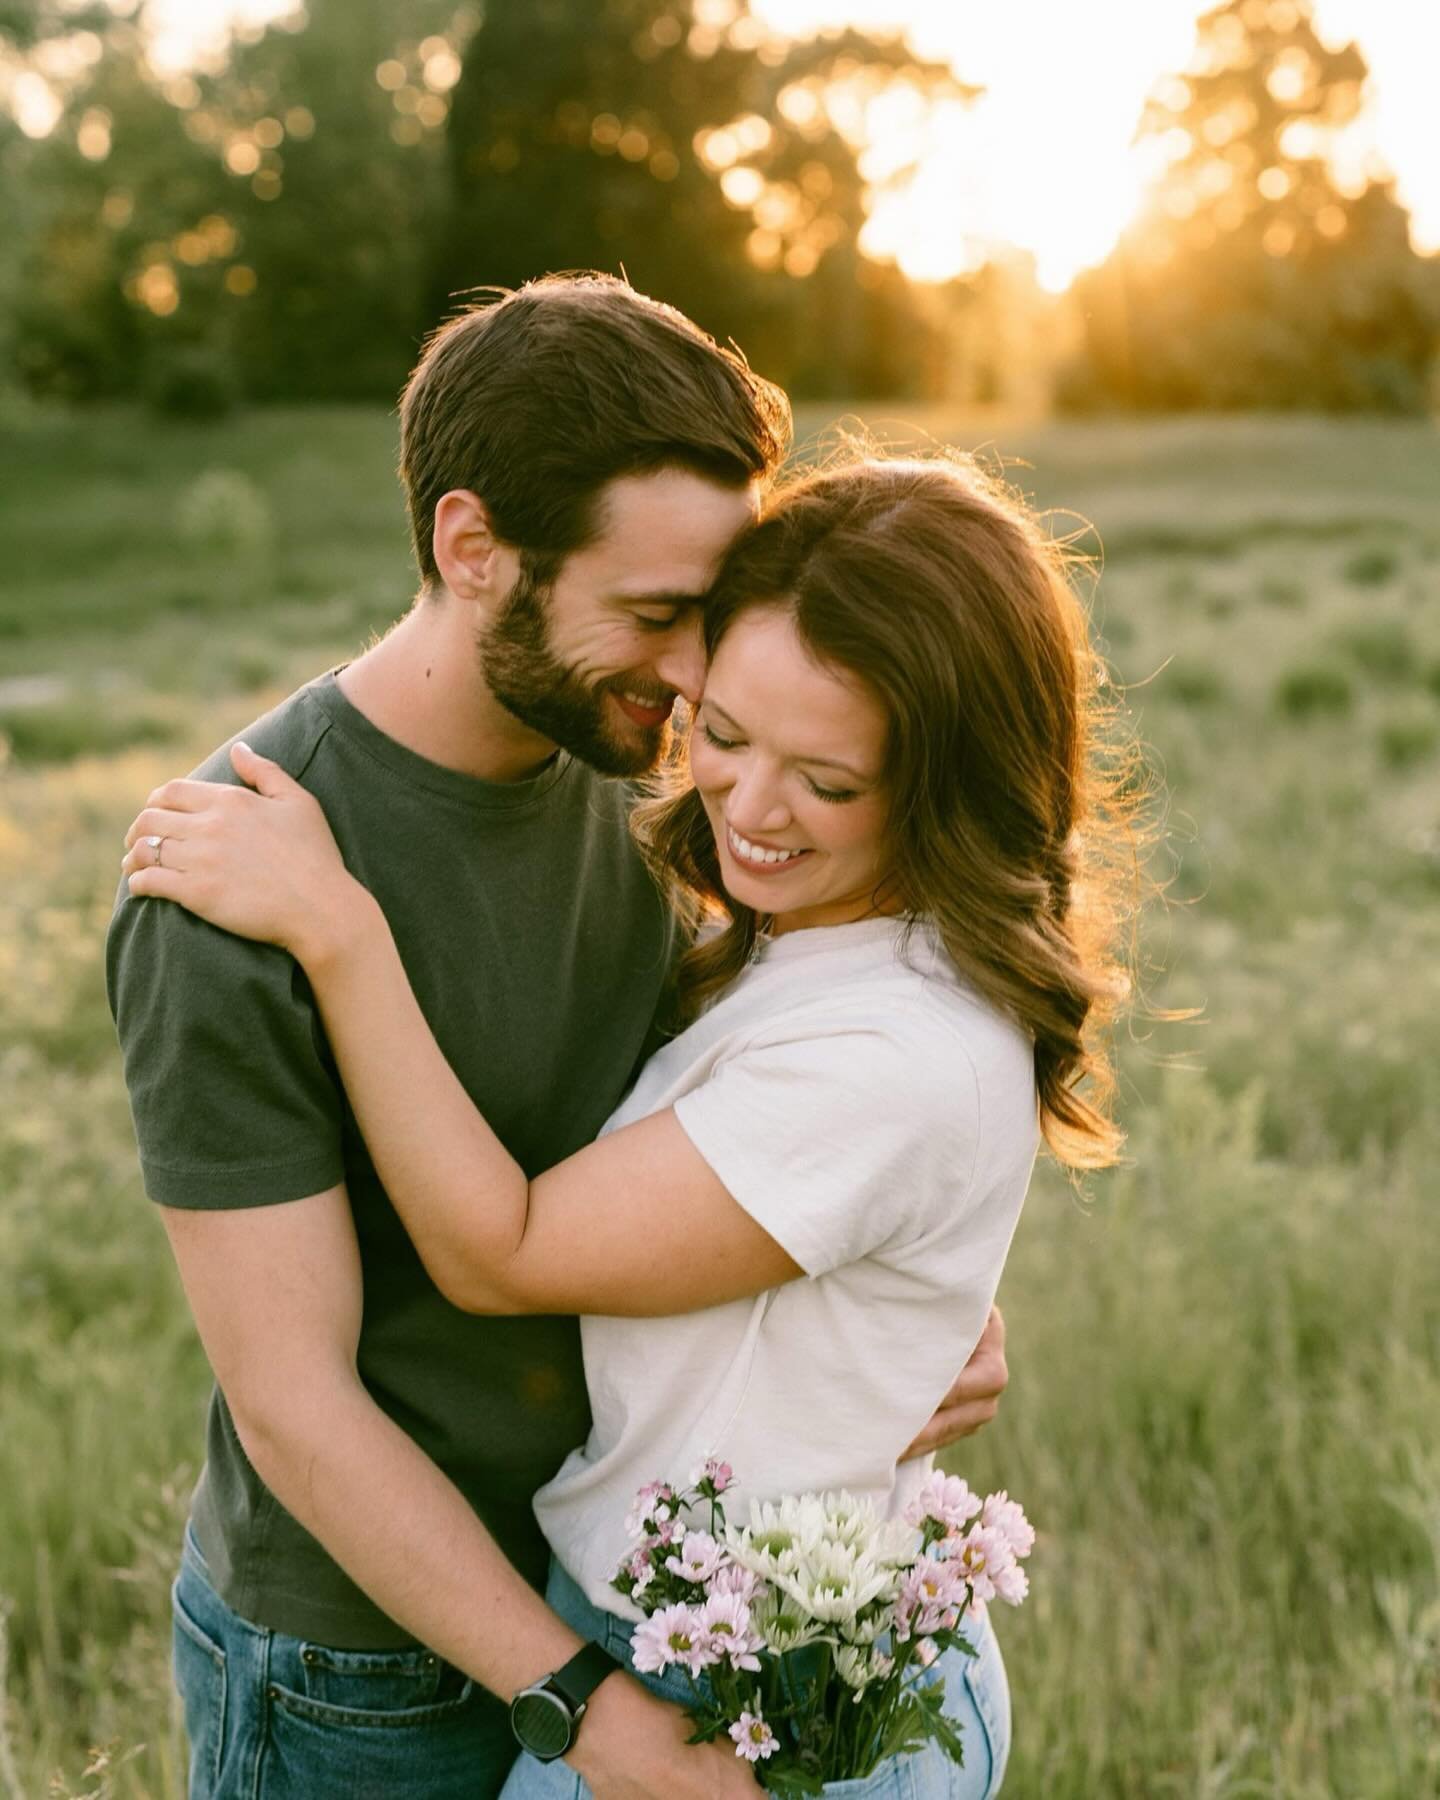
(290, 220)
(341, 193)
(678, 140)
(259, 224)
(29, 29)
(1259, 273)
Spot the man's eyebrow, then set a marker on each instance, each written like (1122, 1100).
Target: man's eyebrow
(820, 762)
(664, 598)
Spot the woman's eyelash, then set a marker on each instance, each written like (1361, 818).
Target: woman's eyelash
(833, 796)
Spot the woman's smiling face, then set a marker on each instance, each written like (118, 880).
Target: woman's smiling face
(788, 757)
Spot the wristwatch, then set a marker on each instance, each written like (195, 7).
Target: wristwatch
(545, 1718)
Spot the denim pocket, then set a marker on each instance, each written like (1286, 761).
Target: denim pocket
(383, 1688)
(893, 1780)
(378, 1680)
(456, 1748)
(616, 1638)
(987, 1687)
(202, 1680)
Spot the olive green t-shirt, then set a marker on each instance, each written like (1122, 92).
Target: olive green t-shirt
(537, 946)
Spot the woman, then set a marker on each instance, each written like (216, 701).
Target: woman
(894, 793)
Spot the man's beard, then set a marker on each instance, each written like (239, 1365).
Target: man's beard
(531, 683)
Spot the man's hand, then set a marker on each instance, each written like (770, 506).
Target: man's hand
(632, 1747)
(975, 1398)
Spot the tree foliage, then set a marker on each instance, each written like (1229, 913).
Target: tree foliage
(1262, 271)
(255, 225)
(292, 220)
(676, 138)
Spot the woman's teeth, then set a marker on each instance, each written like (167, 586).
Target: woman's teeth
(753, 853)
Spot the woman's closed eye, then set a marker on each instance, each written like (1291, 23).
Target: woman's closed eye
(832, 796)
(835, 796)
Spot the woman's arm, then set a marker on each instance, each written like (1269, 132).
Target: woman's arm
(635, 1224)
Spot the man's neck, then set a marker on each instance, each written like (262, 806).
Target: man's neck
(422, 685)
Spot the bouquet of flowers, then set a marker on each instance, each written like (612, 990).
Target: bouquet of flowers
(807, 1633)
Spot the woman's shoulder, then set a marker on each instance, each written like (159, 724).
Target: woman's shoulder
(906, 993)
(884, 1017)
(994, 1039)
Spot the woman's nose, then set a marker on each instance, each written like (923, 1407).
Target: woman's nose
(755, 807)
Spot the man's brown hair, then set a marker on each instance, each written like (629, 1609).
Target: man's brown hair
(537, 400)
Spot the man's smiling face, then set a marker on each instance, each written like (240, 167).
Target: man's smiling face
(593, 661)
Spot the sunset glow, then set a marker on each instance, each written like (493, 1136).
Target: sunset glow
(1044, 160)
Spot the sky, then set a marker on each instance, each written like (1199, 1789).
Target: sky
(1044, 159)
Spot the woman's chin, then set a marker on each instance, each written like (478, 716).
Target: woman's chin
(747, 891)
(742, 892)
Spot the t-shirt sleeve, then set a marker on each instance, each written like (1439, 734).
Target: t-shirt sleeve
(843, 1144)
(234, 1100)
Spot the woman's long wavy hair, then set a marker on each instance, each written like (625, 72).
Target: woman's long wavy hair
(1015, 820)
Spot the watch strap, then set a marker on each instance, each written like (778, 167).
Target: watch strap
(580, 1677)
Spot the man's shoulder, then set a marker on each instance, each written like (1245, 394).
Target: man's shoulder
(157, 935)
(289, 734)
(234, 1099)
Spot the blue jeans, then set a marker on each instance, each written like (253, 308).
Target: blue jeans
(977, 1698)
(271, 1717)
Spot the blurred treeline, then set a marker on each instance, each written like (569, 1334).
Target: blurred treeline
(1258, 274)
(290, 223)
(289, 220)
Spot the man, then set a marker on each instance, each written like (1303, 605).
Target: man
(360, 1571)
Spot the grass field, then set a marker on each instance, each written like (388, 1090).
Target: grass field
(1226, 1361)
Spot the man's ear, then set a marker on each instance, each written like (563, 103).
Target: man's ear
(474, 564)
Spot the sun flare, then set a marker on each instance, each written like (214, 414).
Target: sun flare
(1044, 161)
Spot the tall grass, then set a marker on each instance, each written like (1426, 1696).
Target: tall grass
(1226, 1360)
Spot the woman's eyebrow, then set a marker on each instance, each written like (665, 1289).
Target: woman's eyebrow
(823, 762)
(829, 762)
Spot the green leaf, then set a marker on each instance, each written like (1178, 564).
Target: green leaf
(939, 1727)
(906, 1731)
(790, 1779)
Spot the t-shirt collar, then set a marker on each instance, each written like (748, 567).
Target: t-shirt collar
(419, 771)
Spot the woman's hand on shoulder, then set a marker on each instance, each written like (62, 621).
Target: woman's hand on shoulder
(259, 861)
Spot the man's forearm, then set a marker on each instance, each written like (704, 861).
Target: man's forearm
(404, 1533)
(413, 1544)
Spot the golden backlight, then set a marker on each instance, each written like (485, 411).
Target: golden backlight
(1044, 161)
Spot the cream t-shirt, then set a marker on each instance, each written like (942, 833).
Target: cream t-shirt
(879, 1120)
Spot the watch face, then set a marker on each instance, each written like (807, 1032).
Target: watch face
(542, 1722)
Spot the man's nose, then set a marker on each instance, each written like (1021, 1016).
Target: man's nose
(682, 663)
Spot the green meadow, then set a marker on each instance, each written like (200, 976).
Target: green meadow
(1225, 1404)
